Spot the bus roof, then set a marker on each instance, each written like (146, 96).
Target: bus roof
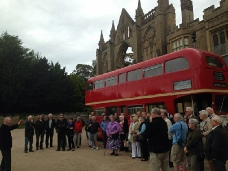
(153, 61)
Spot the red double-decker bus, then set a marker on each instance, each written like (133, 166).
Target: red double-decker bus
(184, 78)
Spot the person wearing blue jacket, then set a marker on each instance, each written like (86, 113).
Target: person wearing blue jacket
(179, 131)
(104, 125)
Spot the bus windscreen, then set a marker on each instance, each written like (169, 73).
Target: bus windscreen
(214, 62)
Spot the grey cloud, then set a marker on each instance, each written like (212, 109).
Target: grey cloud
(68, 31)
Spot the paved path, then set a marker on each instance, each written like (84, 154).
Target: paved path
(83, 159)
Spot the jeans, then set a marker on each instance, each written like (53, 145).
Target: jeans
(61, 141)
(6, 160)
(41, 137)
(30, 141)
(70, 137)
(49, 134)
(77, 139)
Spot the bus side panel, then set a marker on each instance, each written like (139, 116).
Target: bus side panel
(153, 86)
(134, 88)
(122, 91)
(111, 93)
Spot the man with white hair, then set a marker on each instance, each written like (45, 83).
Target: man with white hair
(216, 148)
(29, 132)
(50, 125)
(179, 131)
(190, 114)
(194, 146)
(6, 142)
(211, 112)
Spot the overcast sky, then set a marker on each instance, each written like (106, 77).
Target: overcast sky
(68, 31)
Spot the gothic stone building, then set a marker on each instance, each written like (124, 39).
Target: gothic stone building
(155, 33)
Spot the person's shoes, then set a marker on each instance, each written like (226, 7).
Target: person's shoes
(31, 151)
(63, 149)
(51, 146)
(143, 159)
(26, 151)
(58, 149)
(133, 157)
(46, 146)
(93, 147)
(41, 148)
(68, 149)
(113, 153)
(97, 148)
(37, 148)
(73, 149)
(78, 147)
(116, 154)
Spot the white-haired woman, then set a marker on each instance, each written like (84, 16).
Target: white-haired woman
(205, 125)
(194, 146)
(133, 130)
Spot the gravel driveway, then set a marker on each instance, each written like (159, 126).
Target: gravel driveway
(82, 159)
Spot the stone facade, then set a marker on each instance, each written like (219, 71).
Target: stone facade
(155, 33)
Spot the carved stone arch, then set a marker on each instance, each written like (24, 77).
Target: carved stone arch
(120, 63)
(149, 43)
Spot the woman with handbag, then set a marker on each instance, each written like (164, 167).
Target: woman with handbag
(133, 130)
(112, 132)
(143, 140)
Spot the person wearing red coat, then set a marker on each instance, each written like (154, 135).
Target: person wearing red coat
(78, 130)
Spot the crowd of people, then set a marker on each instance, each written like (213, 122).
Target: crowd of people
(180, 141)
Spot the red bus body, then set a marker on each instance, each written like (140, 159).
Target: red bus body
(200, 82)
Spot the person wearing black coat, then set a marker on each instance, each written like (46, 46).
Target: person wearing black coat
(216, 147)
(29, 132)
(61, 129)
(50, 125)
(159, 146)
(40, 131)
(6, 143)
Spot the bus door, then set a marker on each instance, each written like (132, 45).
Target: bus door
(134, 109)
(149, 107)
(221, 103)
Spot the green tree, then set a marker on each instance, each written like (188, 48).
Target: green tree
(79, 85)
(83, 70)
(14, 70)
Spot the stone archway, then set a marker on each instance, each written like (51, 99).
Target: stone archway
(124, 56)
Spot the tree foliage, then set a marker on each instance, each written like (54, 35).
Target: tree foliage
(84, 70)
(30, 84)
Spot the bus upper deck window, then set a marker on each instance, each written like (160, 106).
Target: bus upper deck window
(177, 64)
(214, 62)
(90, 86)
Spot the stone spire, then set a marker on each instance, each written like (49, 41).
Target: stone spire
(139, 10)
(112, 31)
(139, 14)
(101, 38)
